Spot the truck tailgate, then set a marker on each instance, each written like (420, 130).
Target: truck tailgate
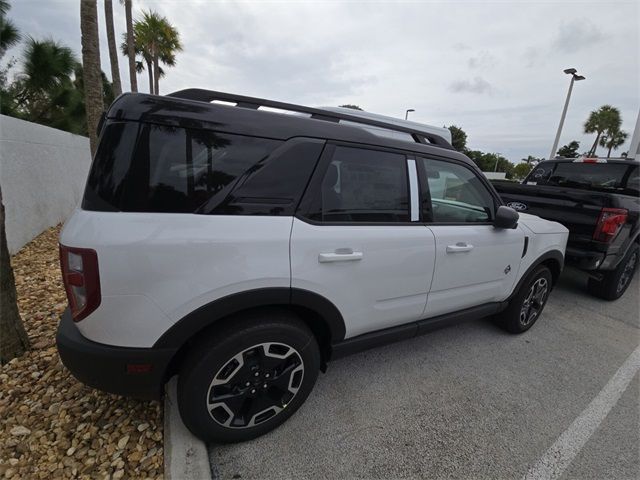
(578, 210)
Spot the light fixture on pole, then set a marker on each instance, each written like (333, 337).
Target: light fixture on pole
(406, 114)
(574, 77)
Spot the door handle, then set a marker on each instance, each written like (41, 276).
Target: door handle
(459, 247)
(340, 255)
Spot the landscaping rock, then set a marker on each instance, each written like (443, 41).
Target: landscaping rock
(52, 426)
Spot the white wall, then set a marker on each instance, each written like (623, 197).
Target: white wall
(42, 174)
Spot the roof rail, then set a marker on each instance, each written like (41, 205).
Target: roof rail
(202, 95)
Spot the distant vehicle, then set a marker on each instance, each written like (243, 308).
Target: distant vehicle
(597, 200)
(243, 249)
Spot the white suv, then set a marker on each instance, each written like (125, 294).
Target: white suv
(243, 248)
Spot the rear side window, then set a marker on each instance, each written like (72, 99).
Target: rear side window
(582, 175)
(362, 186)
(172, 169)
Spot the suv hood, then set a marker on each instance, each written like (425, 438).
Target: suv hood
(540, 225)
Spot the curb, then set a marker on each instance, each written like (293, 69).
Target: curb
(185, 456)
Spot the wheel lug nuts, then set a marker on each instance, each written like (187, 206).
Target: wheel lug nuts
(267, 375)
(253, 390)
(256, 374)
(247, 384)
(264, 386)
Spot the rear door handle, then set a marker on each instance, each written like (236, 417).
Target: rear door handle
(459, 247)
(340, 255)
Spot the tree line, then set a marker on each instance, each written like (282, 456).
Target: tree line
(46, 82)
(605, 122)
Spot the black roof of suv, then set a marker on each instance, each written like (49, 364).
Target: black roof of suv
(192, 108)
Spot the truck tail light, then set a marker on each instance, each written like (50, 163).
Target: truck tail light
(609, 223)
(81, 280)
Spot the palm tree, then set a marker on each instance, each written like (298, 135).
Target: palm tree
(606, 118)
(130, 50)
(113, 51)
(91, 68)
(14, 340)
(9, 34)
(46, 65)
(13, 337)
(156, 41)
(613, 140)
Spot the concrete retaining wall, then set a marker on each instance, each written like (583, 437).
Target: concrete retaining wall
(42, 174)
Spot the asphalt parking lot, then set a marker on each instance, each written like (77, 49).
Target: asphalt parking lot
(471, 401)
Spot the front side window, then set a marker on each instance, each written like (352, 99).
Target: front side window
(457, 194)
(361, 185)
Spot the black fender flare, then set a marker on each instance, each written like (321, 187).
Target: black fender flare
(206, 315)
(553, 255)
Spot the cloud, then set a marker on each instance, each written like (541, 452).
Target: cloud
(483, 60)
(477, 85)
(531, 55)
(577, 34)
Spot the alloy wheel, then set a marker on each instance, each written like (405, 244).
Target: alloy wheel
(534, 301)
(255, 385)
(627, 273)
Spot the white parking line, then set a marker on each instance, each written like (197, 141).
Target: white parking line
(568, 445)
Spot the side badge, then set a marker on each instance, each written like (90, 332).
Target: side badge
(507, 269)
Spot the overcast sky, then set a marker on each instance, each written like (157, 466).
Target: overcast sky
(492, 68)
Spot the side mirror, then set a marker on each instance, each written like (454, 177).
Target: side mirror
(506, 217)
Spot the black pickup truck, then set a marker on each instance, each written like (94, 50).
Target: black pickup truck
(598, 201)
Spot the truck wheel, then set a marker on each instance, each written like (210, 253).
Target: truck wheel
(616, 282)
(245, 380)
(526, 306)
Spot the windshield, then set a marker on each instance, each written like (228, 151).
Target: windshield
(590, 176)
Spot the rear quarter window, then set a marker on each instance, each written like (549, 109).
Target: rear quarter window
(155, 168)
(606, 177)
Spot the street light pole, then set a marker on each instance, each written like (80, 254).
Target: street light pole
(574, 77)
(406, 114)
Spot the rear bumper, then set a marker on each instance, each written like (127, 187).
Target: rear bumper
(135, 372)
(584, 259)
(592, 261)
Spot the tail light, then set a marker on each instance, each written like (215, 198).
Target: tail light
(81, 280)
(609, 223)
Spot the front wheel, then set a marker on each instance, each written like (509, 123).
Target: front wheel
(526, 306)
(249, 378)
(616, 282)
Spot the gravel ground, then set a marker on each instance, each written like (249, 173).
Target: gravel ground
(50, 424)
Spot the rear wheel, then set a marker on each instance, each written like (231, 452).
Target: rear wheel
(246, 380)
(526, 306)
(615, 283)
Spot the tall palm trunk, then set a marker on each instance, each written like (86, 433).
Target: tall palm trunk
(91, 68)
(150, 72)
(113, 51)
(610, 148)
(592, 151)
(156, 74)
(13, 337)
(131, 52)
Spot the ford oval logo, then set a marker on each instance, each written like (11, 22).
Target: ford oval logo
(518, 206)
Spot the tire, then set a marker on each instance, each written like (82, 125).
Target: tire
(246, 379)
(526, 306)
(615, 283)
